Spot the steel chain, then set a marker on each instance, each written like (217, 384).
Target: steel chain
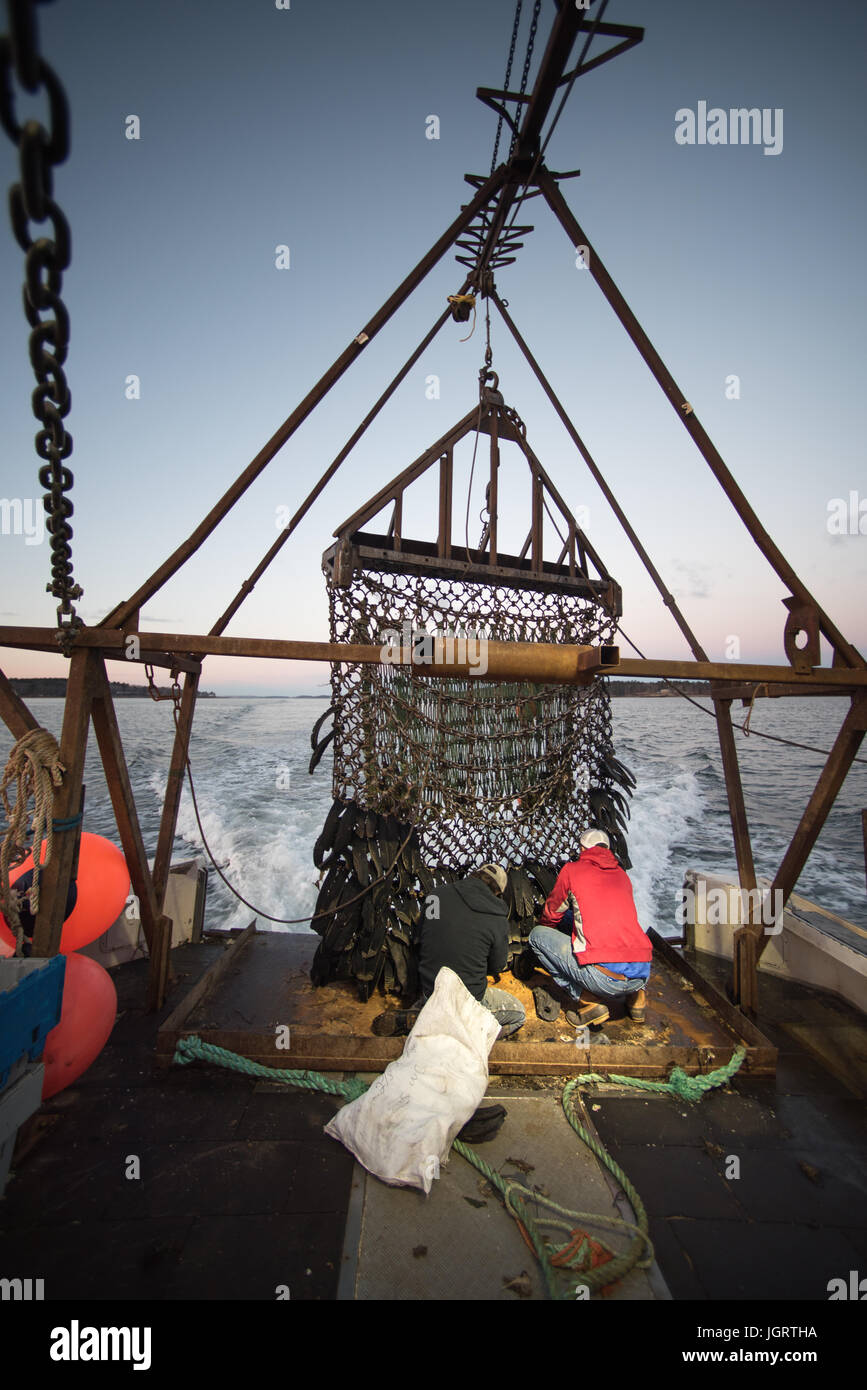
(525, 74)
(515, 27)
(31, 201)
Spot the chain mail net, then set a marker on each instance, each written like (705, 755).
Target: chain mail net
(485, 771)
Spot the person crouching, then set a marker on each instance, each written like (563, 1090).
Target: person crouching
(608, 956)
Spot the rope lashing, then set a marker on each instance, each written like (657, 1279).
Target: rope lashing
(35, 768)
(596, 1263)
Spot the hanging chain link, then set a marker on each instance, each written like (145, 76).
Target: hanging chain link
(174, 689)
(515, 27)
(525, 74)
(45, 260)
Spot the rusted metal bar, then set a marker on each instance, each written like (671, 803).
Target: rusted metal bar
(746, 693)
(397, 521)
(110, 640)
(629, 33)
(492, 487)
(444, 534)
(687, 416)
(15, 714)
(733, 672)
(174, 1024)
(250, 583)
(536, 525)
(54, 882)
(830, 781)
(151, 586)
(174, 787)
(156, 926)
(744, 979)
(586, 547)
(373, 552)
(167, 661)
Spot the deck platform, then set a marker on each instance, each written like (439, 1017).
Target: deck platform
(261, 987)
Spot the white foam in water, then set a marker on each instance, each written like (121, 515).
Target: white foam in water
(664, 812)
(268, 863)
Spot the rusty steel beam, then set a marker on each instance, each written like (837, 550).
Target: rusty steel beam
(156, 926)
(54, 882)
(111, 640)
(174, 787)
(13, 711)
(830, 781)
(747, 693)
(444, 530)
(538, 661)
(146, 591)
(735, 672)
(688, 418)
(493, 486)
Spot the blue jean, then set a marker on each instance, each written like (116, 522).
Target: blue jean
(554, 950)
(507, 1010)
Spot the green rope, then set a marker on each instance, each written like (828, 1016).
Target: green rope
(192, 1049)
(679, 1083)
(516, 1197)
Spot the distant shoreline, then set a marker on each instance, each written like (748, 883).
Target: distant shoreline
(54, 687)
(48, 687)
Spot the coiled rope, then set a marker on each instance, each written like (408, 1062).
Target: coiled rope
(596, 1263)
(35, 768)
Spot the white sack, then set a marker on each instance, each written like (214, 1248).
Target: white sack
(402, 1128)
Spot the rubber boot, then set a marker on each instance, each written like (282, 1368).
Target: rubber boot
(636, 1005)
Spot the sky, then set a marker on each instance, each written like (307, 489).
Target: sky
(307, 127)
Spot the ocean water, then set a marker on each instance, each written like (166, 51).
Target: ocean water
(262, 812)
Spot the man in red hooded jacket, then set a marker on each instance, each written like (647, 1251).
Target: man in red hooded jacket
(609, 955)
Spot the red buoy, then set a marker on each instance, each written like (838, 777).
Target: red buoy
(103, 888)
(86, 1020)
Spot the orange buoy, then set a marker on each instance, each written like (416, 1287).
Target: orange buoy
(86, 1020)
(103, 888)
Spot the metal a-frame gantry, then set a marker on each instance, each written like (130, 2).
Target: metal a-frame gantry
(482, 231)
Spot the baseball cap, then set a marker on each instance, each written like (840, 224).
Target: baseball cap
(494, 872)
(590, 838)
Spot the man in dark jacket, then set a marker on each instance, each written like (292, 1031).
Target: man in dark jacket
(608, 956)
(465, 927)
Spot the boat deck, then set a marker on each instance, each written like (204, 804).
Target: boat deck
(240, 1191)
(262, 984)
